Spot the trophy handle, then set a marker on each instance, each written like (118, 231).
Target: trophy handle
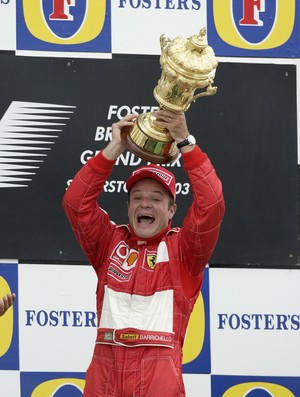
(210, 90)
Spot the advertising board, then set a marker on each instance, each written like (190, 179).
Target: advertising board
(242, 338)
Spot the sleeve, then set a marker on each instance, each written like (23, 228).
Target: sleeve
(201, 227)
(90, 223)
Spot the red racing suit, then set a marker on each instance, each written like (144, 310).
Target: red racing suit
(146, 288)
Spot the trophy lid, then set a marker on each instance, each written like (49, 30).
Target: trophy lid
(191, 57)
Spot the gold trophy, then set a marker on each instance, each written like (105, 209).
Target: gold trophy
(187, 64)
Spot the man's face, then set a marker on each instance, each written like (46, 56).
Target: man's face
(149, 209)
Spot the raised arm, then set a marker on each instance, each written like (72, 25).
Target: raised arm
(202, 224)
(91, 224)
(201, 227)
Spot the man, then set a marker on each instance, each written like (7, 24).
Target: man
(6, 302)
(149, 275)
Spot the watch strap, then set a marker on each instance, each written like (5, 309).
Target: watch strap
(189, 141)
(183, 143)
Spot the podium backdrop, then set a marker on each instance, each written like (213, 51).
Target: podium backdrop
(56, 113)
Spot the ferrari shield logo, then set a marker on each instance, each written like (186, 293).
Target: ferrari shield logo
(151, 261)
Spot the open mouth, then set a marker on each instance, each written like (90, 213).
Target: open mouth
(145, 219)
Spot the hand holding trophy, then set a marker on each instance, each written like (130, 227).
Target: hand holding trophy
(187, 64)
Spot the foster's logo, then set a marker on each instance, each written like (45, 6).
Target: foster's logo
(251, 25)
(63, 25)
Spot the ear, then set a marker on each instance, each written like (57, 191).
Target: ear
(172, 211)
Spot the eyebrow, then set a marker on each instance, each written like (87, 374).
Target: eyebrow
(141, 190)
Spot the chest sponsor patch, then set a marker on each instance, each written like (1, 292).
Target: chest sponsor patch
(118, 274)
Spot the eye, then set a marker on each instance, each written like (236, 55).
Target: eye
(156, 199)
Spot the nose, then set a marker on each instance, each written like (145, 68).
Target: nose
(145, 203)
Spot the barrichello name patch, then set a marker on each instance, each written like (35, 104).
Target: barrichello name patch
(156, 337)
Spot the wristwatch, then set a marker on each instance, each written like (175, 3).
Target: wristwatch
(189, 141)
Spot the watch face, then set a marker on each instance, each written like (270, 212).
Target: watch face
(192, 140)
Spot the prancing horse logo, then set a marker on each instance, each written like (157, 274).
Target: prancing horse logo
(151, 261)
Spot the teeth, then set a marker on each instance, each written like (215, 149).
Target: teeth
(146, 217)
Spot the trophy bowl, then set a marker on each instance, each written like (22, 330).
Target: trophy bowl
(187, 64)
